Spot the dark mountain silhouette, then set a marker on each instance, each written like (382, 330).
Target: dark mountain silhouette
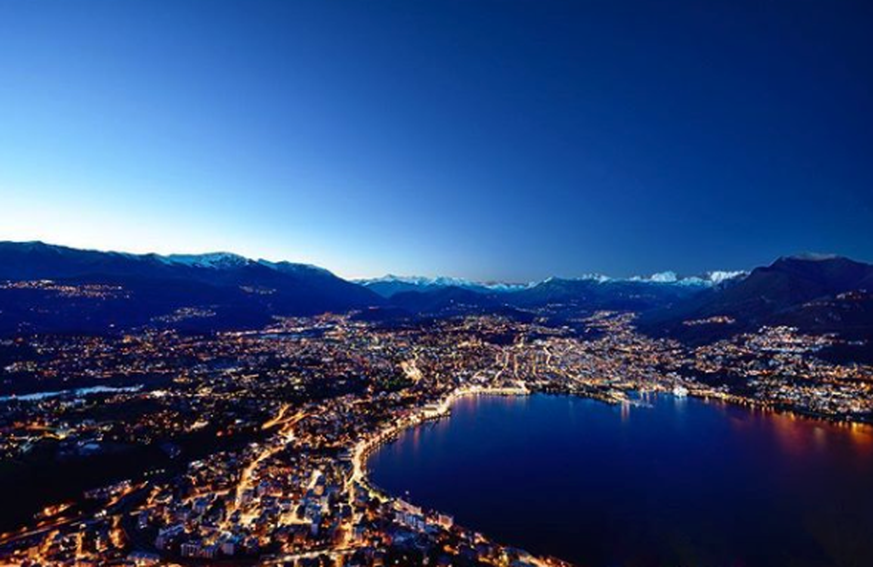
(813, 293)
(227, 291)
(591, 294)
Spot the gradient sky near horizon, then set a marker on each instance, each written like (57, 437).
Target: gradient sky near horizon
(490, 140)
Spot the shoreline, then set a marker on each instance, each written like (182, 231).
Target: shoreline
(366, 447)
(439, 410)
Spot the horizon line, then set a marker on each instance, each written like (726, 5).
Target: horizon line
(586, 275)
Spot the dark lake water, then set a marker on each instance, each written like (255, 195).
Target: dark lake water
(682, 483)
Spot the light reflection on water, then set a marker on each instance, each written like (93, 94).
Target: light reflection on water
(74, 393)
(684, 482)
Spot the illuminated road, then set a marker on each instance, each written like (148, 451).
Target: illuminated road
(52, 525)
(276, 420)
(271, 447)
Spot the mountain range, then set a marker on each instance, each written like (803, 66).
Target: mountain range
(47, 288)
(390, 285)
(814, 293)
(224, 290)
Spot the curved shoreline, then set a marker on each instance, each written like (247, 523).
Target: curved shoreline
(366, 447)
(430, 412)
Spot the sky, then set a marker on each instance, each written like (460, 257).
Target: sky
(494, 140)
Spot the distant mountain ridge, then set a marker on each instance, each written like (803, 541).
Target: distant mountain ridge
(216, 291)
(37, 259)
(390, 285)
(237, 291)
(816, 293)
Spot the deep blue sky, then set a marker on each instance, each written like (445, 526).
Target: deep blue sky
(493, 140)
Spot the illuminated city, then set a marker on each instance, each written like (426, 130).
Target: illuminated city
(438, 283)
(275, 425)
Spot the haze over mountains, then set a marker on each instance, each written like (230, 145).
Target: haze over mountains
(225, 291)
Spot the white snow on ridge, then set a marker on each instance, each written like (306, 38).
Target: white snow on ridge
(444, 281)
(719, 276)
(665, 278)
(599, 278)
(226, 260)
(209, 260)
(712, 278)
(661, 277)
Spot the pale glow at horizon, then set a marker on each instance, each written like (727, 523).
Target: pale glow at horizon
(329, 134)
(95, 225)
(96, 228)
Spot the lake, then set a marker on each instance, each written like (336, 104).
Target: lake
(74, 393)
(683, 482)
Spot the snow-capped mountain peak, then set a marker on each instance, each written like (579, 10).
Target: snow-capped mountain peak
(711, 278)
(720, 276)
(208, 260)
(660, 277)
(391, 284)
